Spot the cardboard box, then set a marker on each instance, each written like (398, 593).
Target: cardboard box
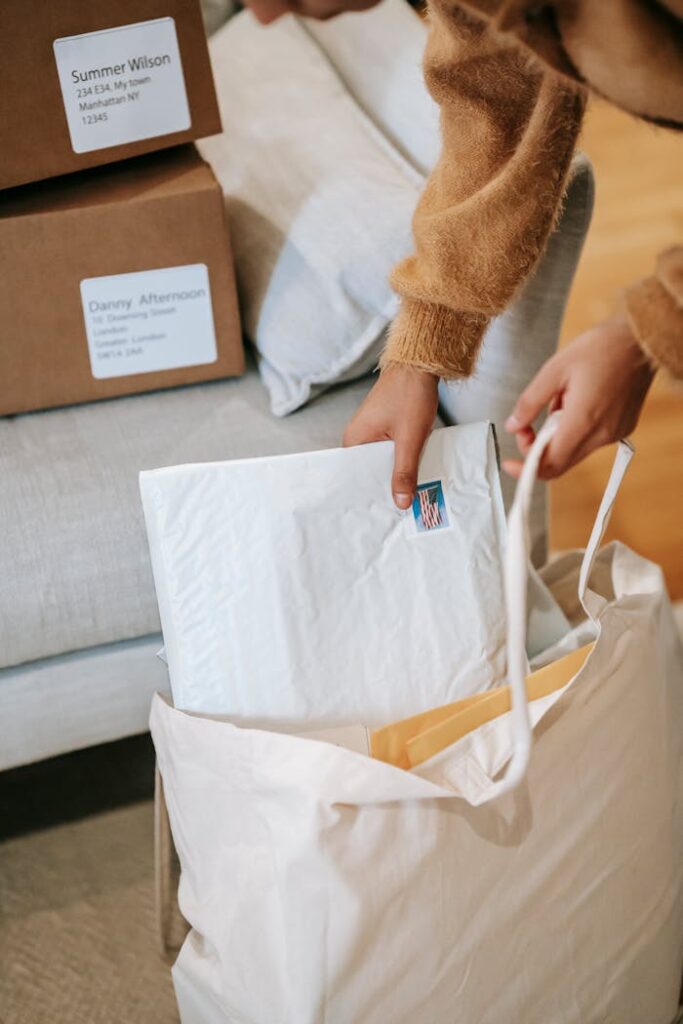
(89, 82)
(116, 281)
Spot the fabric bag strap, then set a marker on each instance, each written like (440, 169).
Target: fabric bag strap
(516, 580)
(593, 603)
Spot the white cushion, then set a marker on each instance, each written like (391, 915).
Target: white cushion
(319, 201)
(386, 81)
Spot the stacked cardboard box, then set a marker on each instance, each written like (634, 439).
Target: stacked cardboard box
(116, 279)
(87, 82)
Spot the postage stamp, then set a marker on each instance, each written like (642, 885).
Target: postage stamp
(429, 507)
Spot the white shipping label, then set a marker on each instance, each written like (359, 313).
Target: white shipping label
(122, 84)
(149, 321)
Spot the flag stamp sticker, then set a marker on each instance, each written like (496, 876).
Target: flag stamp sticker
(429, 508)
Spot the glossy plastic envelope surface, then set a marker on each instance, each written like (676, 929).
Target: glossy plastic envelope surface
(292, 591)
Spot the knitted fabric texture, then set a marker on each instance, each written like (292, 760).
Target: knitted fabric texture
(510, 79)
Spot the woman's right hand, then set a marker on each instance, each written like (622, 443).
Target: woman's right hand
(600, 381)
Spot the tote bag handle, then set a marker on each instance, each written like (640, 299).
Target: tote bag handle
(516, 577)
(592, 603)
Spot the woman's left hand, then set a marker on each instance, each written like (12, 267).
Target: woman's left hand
(600, 381)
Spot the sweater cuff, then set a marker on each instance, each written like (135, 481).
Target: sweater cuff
(657, 321)
(434, 338)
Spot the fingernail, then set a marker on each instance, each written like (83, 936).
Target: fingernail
(403, 500)
(512, 424)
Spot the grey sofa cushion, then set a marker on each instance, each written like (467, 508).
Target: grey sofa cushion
(73, 555)
(80, 699)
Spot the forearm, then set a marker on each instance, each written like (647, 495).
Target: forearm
(655, 310)
(509, 131)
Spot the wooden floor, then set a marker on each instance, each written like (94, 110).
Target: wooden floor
(639, 211)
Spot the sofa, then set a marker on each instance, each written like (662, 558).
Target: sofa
(79, 629)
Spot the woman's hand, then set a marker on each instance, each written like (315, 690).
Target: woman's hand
(600, 381)
(267, 11)
(401, 407)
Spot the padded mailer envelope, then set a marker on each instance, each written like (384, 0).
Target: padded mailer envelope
(292, 590)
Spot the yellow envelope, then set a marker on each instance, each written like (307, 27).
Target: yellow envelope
(411, 741)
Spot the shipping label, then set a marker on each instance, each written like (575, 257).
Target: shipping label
(122, 84)
(149, 321)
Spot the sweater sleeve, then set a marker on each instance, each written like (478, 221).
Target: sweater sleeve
(655, 308)
(508, 134)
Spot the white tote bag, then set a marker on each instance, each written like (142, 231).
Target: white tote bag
(323, 887)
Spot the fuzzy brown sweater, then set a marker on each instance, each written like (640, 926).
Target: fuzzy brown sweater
(511, 78)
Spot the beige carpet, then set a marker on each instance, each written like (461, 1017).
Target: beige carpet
(77, 925)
